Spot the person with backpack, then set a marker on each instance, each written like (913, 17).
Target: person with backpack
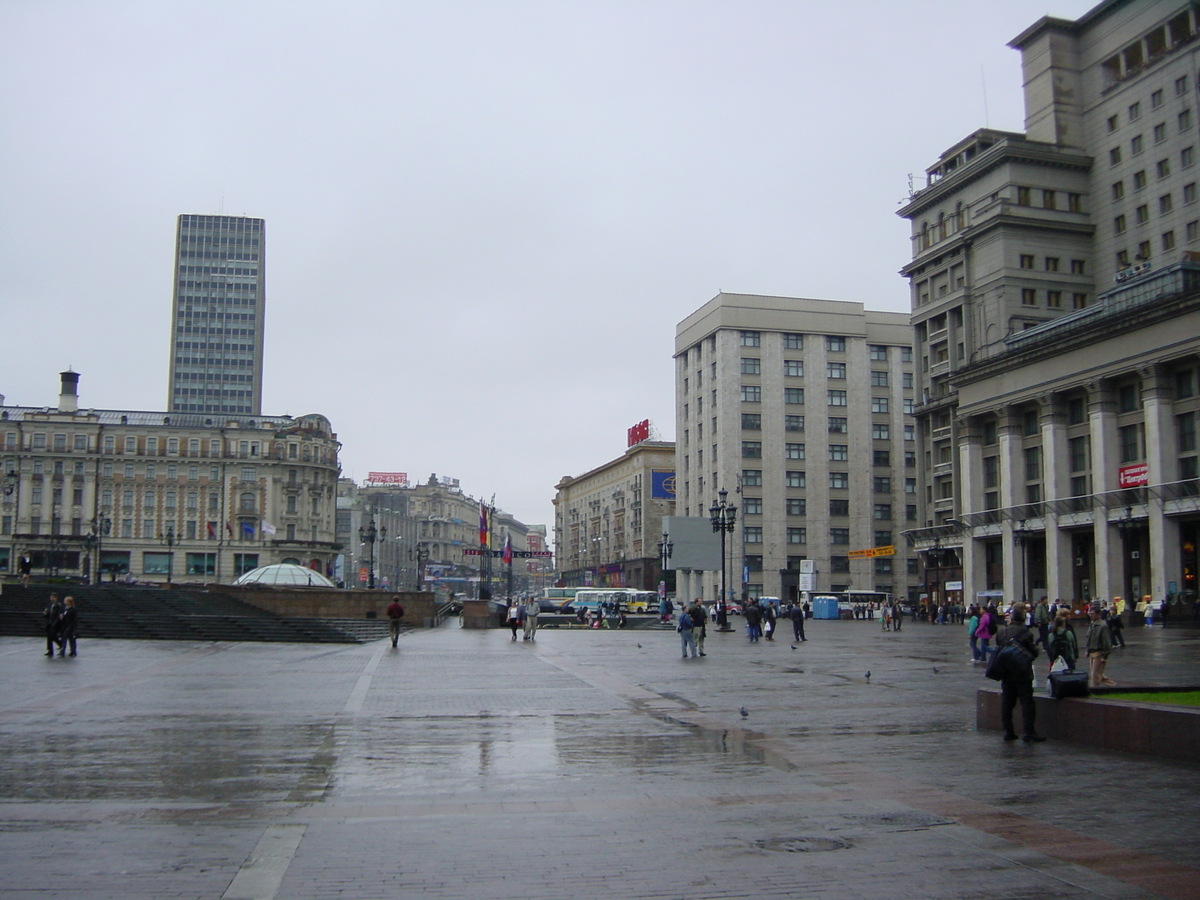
(1061, 641)
(988, 626)
(1017, 643)
(687, 639)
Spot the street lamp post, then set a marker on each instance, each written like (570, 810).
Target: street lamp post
(168, 538)
(369, 536)
(1022, 535)
(665, 548)
(94, 542)
(420, 553)
(723, 516)
(1126, 525)
(933, 560)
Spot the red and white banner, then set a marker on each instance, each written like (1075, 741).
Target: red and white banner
(1135, 475)
(387, 478)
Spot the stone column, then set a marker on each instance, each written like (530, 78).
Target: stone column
(1162, 459)
(1012, 480)
(970, 455)
(1056, 484)
(1102, 409)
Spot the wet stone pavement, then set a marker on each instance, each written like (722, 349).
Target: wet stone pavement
(463, 765)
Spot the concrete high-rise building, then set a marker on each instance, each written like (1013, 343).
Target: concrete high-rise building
(801, 409)
(1055, 292)
(217, 316)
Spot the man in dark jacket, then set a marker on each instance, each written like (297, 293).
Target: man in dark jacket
(797, 617)
(753, 616)
(53, 616)
(1017, 681)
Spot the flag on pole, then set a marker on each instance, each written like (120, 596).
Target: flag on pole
(483, 524)
(507, 558)
(212, 531)
(267, 527)
(229, 529)
(248, 529)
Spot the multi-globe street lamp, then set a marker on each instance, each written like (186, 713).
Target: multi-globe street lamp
(168, 537)
(723, 516)
(420, 553)
(369, 536)
(1022, 536)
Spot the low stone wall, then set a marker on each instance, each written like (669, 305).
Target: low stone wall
(1145, 729)
(333, 603)
(475, 614)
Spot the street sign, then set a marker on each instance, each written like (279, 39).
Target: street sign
(874, 551)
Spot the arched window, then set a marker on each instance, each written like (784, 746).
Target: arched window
(924, 235)
(247, 503)
(941, 226)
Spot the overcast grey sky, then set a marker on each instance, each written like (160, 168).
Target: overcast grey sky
(484, 220)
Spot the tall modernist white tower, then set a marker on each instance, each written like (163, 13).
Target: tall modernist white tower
(217, 316)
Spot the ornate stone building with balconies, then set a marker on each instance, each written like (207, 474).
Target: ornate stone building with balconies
(161, 497)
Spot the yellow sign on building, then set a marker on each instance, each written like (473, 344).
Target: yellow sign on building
(890, 550)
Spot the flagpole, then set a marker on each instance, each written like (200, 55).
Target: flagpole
(508, 558)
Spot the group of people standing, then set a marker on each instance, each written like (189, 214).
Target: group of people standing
(523, 614)
(62, 626)
(1052, 628)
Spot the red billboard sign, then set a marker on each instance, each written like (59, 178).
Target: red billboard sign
(639, 432)
(1135, 475)
(387, 478)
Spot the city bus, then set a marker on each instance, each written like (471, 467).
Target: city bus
(625, 598)
(554, 599)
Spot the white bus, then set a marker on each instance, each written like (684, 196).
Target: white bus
(625, 598)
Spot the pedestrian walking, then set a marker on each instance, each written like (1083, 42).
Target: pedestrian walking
(1116, 626)
(532, 610)
(53, 614)
(769, 620)
(24, 568)
(972, 637)
(797, 617)
(69, 627)
(989, 624)
(513, 617)
(686, 638)
(1099, 645)
(699, 623)
(1042, 621)
(395, 612)
(897, 616)
(1017, 642)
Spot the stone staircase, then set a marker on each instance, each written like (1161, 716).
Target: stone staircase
(148, 613)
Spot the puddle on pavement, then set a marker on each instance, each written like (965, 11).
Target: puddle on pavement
(166, 758)
(471, 753)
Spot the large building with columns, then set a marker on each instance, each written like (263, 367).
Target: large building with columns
(163, 496)
(1055, 289)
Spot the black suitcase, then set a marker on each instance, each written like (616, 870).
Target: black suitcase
(1068, 684)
